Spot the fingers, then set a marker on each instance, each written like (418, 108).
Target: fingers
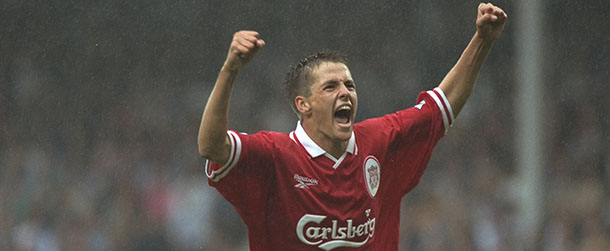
(239, 49)
(243, 48)
(244, 45)
(248, 38)
(488, 18)
(489, 12)
(494, 12)
(490, 21)
(251, 43)
(260, 43)
(245, 42)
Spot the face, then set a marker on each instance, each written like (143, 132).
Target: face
(333, 103)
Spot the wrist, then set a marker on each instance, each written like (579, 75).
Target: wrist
(230, 68)
(478, 37)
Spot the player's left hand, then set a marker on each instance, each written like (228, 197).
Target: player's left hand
(490, 21)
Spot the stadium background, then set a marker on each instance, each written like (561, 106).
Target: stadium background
(100, 103)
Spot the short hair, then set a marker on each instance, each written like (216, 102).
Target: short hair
(298, 80)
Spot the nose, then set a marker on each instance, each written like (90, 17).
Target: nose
(343, 92)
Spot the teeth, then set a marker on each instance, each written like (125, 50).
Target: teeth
(344, 107)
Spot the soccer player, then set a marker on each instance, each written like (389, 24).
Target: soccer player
(331, 184)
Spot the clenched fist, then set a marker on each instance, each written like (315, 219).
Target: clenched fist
(490, 21)
(244, 46)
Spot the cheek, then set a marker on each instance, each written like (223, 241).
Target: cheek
(323, 111)
(319, 108)
(324, 104)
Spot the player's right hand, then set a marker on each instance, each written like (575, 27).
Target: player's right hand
(244, 46)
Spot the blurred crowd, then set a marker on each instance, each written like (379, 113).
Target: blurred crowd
(100, 105)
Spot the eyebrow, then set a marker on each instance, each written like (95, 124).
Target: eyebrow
(337, 81)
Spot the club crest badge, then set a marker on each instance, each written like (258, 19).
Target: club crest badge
(372, 173)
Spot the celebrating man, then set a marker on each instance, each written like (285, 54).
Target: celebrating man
(331, 183)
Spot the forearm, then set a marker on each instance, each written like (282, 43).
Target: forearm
(460, 81)
(212, 140)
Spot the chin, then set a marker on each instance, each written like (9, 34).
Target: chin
(344, 133)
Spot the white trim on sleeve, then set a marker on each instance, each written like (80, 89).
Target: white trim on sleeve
(441, 101)
(444, 98)
(235, 143)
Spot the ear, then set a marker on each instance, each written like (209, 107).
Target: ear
(302, 105)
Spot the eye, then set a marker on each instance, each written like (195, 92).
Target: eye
(330, 86)
(350, 85)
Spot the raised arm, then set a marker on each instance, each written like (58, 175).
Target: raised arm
(460, 80)
(213, 140)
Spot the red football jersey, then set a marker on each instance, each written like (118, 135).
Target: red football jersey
(292, 195)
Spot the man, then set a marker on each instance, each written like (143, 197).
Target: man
(331, 184)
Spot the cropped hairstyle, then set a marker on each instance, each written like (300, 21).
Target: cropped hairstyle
(299, 79)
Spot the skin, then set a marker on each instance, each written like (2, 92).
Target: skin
(460, 81)
(213, 141)
(333, 87)
(317, 109)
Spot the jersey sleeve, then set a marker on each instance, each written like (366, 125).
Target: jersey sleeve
(410, 136)
(243, 180)
(419, 130)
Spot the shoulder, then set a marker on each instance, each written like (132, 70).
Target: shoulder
(267, 137)
(377, 124)
(277, 137)
(373, 129)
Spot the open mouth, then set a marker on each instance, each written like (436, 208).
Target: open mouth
(343, 114)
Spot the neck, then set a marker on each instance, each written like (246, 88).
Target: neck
(334, 147)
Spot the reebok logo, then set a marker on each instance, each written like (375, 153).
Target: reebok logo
(304, 182)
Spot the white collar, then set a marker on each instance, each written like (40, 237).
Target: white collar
(313, 149)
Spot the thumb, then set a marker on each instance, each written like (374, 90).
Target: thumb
(487, 18)
(257, 46)
(260, 43)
